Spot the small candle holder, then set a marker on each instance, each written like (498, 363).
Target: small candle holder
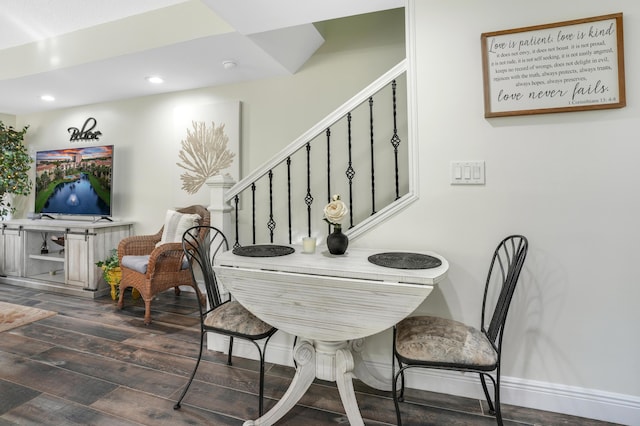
(308, 245)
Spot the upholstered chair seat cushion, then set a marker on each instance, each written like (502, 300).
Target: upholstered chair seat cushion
(233, 317)
(140, 263)
(137, 263)
(441, 341)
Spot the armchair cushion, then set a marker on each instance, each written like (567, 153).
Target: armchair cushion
(140, 263)
(137, 263)
(175, 224)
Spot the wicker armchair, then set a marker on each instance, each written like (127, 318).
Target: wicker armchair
(166, 266)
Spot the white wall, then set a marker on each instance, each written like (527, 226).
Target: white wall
(567, 181)
(8, 120)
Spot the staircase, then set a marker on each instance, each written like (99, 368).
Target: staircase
(360, 151)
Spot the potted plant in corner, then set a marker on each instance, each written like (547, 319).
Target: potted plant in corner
(111, 272)
(15, 163)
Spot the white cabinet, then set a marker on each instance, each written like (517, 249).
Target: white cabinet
(77, 259)
(33, 255)
(10, 249)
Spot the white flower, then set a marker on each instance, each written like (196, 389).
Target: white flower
(335, 211)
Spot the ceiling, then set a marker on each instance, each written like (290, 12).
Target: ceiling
(88, 51)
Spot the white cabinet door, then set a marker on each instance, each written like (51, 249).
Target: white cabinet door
(11, 248)
(77, 259)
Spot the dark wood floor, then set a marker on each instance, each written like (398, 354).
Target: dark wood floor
(94, 365)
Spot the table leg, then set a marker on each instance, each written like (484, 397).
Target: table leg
(331, 361)
(363, 373)
(344, 380)
(305, 356)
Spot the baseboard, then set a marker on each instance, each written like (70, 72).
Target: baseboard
(571, 400)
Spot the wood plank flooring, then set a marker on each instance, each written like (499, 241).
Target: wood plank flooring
(94, 365)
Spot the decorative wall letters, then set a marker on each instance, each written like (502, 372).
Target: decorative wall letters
(86, 133)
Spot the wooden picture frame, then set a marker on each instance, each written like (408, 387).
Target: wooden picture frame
(566, 66)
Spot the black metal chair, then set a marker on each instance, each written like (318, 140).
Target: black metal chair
(228, 317)
(433, 342)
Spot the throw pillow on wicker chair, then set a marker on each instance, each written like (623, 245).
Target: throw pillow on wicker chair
(175, 224)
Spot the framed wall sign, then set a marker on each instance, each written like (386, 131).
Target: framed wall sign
(566, 66)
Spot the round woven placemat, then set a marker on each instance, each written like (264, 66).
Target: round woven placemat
(263, 250)
(402, 260)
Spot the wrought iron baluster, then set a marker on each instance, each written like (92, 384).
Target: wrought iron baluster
(271, 224)
(395, 140)
(289, 194)
(236, 199)
(308, 199)
(373, 184)
(328, 133)
(253, 213)
(350, 172)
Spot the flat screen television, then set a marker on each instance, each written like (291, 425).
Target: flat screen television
(74, 181)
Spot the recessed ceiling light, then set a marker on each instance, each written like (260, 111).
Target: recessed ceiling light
(229, 64)
(154, 79)
(47, 98)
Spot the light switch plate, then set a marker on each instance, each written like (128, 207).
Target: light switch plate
(467, 173)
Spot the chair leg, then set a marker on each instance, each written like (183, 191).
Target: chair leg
(394, 358)
(401, 397)
(394, 391)
(497, 403)
(193, 374)
(230, 350)
(394, 378)
(261, 390)
(147, 310)
(263, 353)
(494, 406)
(483, 380)
(121, 298)
(201, 297)
(176, 290)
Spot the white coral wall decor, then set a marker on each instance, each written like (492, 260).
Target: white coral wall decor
(204, 154)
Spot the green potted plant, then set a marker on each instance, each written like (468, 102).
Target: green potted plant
(111, 272)
(15, 163)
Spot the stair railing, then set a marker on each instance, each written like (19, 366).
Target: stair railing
(289, 184)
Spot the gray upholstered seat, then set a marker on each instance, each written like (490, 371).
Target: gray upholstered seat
(437, 340)
(433, 342)
(233, 317)
(141, 263)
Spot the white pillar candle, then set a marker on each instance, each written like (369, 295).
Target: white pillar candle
(308, 245)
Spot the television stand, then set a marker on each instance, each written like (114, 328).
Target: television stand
(68, 268)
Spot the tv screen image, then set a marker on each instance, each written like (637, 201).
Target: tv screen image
(74, 181)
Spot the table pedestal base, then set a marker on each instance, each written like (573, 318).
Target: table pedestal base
(330, 361)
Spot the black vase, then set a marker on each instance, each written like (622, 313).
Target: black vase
(337, 242)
